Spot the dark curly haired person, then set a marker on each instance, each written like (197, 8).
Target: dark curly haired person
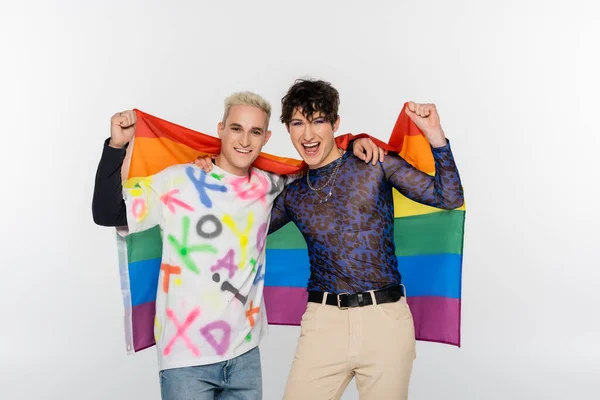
(357, 322)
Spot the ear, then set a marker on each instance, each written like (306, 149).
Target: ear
(267, 136)
(220, 129)
(336, 125)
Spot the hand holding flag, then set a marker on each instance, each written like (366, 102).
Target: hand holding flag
(122, 128)
(426, 117)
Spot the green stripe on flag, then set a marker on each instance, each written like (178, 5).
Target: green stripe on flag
(146, 245)
(435, 233)
(288, 237)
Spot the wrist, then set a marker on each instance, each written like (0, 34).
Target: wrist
(438, 143)
(115, 144)
(437, 138)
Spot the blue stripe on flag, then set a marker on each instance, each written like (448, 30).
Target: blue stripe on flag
(143, 280)
(429, 275)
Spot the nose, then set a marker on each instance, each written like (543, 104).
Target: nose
(245, 140)
(308, 134)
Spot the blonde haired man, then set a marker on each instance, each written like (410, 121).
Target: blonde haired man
(210, 315)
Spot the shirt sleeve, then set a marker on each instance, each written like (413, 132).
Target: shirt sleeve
(279, 214)
(443, 190)
(292, 177)
(143, 201)
(108, 207)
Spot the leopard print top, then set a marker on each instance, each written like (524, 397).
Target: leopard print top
(350, 238)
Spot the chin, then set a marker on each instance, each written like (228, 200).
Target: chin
(309, 160)
(247, 163)
(242, 161)
(314, 159)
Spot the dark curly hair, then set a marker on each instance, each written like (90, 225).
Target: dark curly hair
(311, 96)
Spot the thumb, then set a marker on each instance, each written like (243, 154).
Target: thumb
(411, 114)
(360, 149)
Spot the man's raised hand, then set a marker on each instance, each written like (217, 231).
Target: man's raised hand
(426, 117)
(122, 128)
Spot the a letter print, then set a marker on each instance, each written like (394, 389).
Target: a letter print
(184, 250)
(243, 236)
(261, 237)
(250, 313)
(226, 262)
(201, 227)
(167, 271)
(259, 275)
(139, 209)
(182, 331)
(222, 345)
(228, 287)
(170, 201)
(256, 187)
(202, 186)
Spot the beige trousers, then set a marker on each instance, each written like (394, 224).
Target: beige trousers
(375, 344)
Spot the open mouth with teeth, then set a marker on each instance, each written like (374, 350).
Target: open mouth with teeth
(242, 151)
(311, 148)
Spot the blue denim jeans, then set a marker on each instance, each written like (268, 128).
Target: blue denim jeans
(239, 378)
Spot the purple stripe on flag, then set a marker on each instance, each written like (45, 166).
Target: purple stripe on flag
(142, 322)
(285, 305)
(437, 319)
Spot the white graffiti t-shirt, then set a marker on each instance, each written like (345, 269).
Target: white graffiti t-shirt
(209, 304)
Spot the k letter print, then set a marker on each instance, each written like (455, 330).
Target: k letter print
(203, 187)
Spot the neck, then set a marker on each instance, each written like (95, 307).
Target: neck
(226, 166)
(333, 155)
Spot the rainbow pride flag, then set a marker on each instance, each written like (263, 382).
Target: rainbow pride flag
(429, 241)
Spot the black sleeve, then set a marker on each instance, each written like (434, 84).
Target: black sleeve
(108, 206)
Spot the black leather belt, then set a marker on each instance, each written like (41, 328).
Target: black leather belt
(389, 294)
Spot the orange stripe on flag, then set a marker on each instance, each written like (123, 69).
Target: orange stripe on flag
(417, 151)
(158, 154)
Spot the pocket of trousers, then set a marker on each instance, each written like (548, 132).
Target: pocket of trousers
(311, 311)
(397, 311)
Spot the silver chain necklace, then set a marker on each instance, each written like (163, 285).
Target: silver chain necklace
(331, 179)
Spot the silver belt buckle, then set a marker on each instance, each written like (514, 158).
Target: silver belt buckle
(339, 301)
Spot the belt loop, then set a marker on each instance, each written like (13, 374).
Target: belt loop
(372, 292)
(324, 301)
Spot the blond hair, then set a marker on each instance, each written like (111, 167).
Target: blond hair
(247, 99)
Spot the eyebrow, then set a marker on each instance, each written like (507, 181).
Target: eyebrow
(320, 116)
(254, 128)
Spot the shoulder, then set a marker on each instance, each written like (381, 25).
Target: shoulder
(175, 169)
(393, 161)
(172, 176)
(293, 186)
(295, 181)
(278, 183)
(270, 175)
(356, 166)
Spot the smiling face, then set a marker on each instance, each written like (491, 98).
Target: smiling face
(313, 139)
(243, 135)
(309, 111)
